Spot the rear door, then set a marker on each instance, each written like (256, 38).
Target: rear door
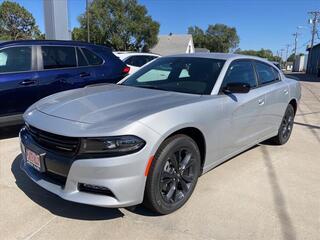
(277, 95)
(61, 69)
(18, 83)
(242, 111)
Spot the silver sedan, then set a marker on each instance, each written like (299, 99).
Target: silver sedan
(148, 138)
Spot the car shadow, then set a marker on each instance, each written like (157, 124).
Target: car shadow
(10, 132)
(286, 225)
(57, 205)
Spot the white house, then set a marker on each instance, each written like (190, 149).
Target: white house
(173, 44)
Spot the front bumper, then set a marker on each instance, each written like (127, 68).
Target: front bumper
(123, 176)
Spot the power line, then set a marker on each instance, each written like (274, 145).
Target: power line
(303, 45)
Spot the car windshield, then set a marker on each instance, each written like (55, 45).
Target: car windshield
(193, 75)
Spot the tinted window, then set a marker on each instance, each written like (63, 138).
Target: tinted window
(265, 73)
(92, 58)
(81, 60)
(182, 74)
(58, 57)
(240, 72)
(15, 59)
(137, 61)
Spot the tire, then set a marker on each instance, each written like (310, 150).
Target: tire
(285, 128)
(173, 174)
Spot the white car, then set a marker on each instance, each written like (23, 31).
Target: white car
(149, 137)
(135, 60)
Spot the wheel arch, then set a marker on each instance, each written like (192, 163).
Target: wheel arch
(294, 103)
(197, 136)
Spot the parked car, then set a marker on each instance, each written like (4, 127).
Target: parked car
(31, 70)
(148, 138)
(136, 60)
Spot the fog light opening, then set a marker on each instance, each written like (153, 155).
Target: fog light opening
(89, 188)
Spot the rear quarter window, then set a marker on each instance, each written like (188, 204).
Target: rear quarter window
(92, 58)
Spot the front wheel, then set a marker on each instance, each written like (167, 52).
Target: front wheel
(285, 128)
(173, 174)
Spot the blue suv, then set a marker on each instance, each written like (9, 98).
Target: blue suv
(31, 70)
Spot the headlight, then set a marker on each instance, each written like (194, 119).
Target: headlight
(118, 145)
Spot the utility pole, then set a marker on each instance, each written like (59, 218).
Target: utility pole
(296, 34)
(287, 51)
(88, 28)
(281, 56)
(314, 20)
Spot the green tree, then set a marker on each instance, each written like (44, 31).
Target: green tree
(17, 23)
(199, 37)
(263, 53)
(121, 24)
(217, 37)
(291, 58)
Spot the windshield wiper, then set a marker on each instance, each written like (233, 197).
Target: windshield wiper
(150, 87)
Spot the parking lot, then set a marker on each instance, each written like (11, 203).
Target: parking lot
(267, 192)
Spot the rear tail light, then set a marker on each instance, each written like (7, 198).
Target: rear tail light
(126, 70)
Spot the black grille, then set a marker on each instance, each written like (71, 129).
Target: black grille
(54, 142)
(54, 178)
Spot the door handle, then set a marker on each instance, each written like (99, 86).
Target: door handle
(261, 101)
(84, 74)
(285, 92)
(27, 82)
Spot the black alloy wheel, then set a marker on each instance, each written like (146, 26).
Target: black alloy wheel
(286, 127)
(177, 175)
(173, 174)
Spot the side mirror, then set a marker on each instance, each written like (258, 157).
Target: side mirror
(236, 88)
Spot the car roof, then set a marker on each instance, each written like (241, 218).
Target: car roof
(47, 42)
(222, 56)
(128, 54)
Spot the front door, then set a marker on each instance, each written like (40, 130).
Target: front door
(18, 83)
(242, 111)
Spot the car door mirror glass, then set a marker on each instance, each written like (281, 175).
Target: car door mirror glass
(236, 87)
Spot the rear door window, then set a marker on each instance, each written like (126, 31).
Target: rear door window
(58, 57)
(15, 59)
(92, 58)
(265, 73)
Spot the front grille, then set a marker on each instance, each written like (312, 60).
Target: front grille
(53, 142)
(47, 176)
(54, 178)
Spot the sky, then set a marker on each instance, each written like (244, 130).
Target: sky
(260, 24)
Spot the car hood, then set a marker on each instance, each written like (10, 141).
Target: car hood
(110, 103)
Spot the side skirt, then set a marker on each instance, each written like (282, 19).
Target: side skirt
(223, 159)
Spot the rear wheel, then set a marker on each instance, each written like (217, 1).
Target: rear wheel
(173, 174)
(285, 128)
